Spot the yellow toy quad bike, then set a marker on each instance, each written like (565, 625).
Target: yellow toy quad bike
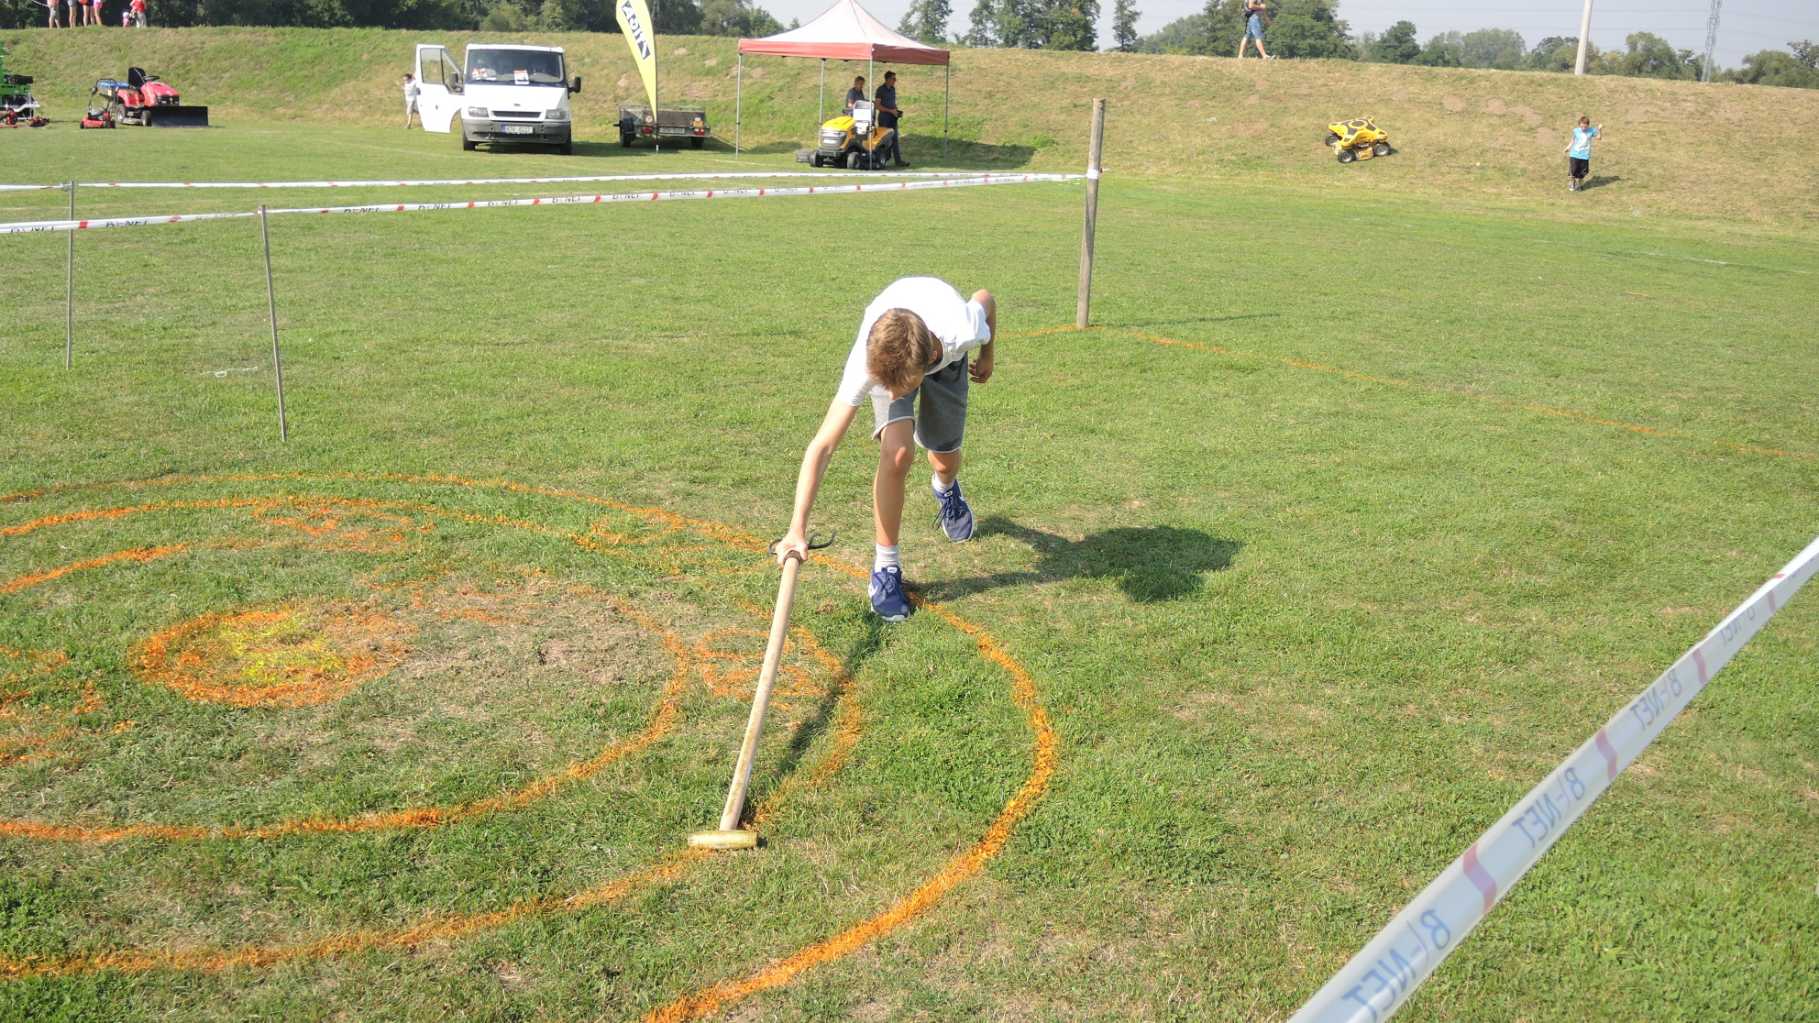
(853, 140)
(1357, 139)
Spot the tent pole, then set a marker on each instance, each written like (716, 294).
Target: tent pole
(821, 100)
(947, 87)
(738, 100)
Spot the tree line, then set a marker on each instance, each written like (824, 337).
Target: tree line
(1296, 29)
(1312, 28)
(672, 17)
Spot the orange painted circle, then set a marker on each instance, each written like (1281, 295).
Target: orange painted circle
(704, 1001)
(291, 655)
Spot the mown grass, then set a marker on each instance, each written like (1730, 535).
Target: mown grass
(1350, 516)
(1479, 138)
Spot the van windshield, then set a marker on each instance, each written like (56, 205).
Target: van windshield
(515, 67)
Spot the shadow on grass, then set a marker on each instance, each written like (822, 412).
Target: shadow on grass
(1600, 182)
(815, 724)
(1150, 563)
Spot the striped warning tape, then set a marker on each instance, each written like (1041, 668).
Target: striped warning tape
(576, 179)
(43, 226)
(1380, 978)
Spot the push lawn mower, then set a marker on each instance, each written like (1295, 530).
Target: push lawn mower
(1357, 139)
(853, 140)
(145, 100)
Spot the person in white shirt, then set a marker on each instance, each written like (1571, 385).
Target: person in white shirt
(911, 360)
(410, 101)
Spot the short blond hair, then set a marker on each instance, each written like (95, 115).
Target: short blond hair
(899, 351)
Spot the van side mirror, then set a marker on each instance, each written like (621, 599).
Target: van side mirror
(575, 86)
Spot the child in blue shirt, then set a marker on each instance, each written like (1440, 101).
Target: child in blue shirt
(1579, 153)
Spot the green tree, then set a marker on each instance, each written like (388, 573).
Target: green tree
(1396, 45)
(1069, 25)
(1559, 53)
(1492, 47)
(1309, 29)
(1774, 67)
(1222, 22)
(926, 20)
(1183, 35)
(1124, 26)
(1647, 55)
(1444, 50)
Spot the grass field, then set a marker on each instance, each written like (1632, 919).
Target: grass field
(1349, 517)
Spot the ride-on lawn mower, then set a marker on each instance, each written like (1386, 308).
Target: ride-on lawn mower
(1357, 139)
(853, 140)
(145, 100)
(17, 105)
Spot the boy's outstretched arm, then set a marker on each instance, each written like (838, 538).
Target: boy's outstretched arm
(981, 370)
(808, 481)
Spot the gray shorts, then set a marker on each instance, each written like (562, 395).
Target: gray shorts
(941, 419)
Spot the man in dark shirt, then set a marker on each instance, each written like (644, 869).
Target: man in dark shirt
(856, 94)
(886, 102)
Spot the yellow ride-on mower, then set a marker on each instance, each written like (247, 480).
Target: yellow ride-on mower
(1357, 139)
(853, 140)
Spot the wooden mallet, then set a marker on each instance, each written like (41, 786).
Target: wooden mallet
(729, 835)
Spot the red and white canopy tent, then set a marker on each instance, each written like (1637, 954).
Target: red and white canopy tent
(845, 31)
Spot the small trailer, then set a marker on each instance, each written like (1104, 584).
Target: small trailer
(636, 122)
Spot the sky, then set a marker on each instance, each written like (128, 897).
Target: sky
(1744, 26)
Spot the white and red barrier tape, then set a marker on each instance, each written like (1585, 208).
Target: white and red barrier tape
(42, 226)
(413, 183)
(1380, 978)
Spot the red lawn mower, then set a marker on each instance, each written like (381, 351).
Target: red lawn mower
(144, 100)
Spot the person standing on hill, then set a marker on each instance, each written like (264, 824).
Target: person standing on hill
(54, 9)
(69, 8)
(138, 9)
(410, 101)
(1579, 153)
(1253, 29)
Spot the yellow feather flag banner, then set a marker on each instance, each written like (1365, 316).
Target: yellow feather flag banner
(641, 36)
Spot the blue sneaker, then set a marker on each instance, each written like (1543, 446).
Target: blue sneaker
(887, 594)
(955, 516)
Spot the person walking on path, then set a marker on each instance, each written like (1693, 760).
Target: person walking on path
(1253, 29)
(410, 101)
(1579, 153)
(913, 343)
(885, 99)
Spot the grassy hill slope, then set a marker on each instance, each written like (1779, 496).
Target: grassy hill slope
(1674, 148)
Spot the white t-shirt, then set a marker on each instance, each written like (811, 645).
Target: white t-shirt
(959, 324)
(410, 89)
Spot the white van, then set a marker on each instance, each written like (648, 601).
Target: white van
(509, 92)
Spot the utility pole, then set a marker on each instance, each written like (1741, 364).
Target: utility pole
(1585, 31)
(1711, 39)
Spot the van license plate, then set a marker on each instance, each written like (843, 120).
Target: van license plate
(517, 129)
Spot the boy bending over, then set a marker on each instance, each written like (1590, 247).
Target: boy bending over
(910, 360)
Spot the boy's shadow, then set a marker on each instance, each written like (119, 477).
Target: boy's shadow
(1600, 182)
(1150, 563)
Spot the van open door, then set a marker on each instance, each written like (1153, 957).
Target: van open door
(438, 88)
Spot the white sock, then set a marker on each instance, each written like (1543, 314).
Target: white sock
(935, 481)
(885, 557)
